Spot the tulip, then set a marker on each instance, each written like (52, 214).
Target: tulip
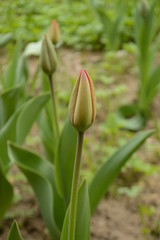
(48, 56)
(82, 106)
(54, 32)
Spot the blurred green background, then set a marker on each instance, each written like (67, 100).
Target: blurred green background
(80, 22)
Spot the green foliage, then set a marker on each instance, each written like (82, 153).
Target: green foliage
(14, 233)
(5, 39)
(30, 111)
(18, 125)
(134, 116)
(149, 75)
(83, 216)
(111, 25)
(6, 194)
(23, 19)
(65, 160)
(110, 169)
(17, 114)
(17, 71)
(40, 175)
(9, 102)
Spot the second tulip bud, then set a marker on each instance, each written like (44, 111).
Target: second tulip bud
(48, 56)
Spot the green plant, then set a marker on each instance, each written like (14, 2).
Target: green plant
(17, 114)
(52, 180)
(134, 116)
(146, 212)
(14, 232)
(146, 50)
(111, 22)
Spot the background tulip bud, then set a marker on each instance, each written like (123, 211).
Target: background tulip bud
(82, 105)
(54, 32)
(48, 56)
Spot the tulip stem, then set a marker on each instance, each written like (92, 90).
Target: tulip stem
(54, 109)
(74, 190)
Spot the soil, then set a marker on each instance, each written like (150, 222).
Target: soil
(117, 217)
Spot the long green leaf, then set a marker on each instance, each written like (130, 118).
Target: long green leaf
(29, 114)
(110, 169)
(40, 174)
(8, 132)
(11, 73)
(18, 125)
(9, 101)
(83, 216)
(65, 160)
(6, 194)
(153, 84)
(5, 39)
(45, 123)
(14, 233)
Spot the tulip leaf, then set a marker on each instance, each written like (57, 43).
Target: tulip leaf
(5, 39)
(6, 192)
(65, 160)
(8, 132)
(83, 216)
(11, 73)
(28, 115)
(14, 233)
(45, 123)
(110, 169)
(40, 175)
(8, 103)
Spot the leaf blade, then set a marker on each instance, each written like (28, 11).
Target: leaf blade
(39, 174)
(28, 115)
(6, 191)
(65, 160)
(82, 230)
(110, 169)
(14, 233)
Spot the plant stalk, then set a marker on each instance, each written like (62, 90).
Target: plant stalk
(74, 190)
(54, 109)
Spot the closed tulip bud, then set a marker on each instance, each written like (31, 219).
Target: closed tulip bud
(54, 32)
(48, 56)
(82, 105)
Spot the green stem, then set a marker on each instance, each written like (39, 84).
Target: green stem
(74, 191)
(56, 128)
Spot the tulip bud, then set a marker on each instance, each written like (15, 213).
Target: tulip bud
(48, 56)
(82, 105)
(54, 32)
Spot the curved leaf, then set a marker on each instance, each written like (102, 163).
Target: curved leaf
(110, 169)
(9, 100)
(11, 73)
(65, 160)
(19, 124)
(5, 39)
(8, 132)
(45, 124)
(14, 233)
(28, 115)
(6, 192)
(40, 174)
